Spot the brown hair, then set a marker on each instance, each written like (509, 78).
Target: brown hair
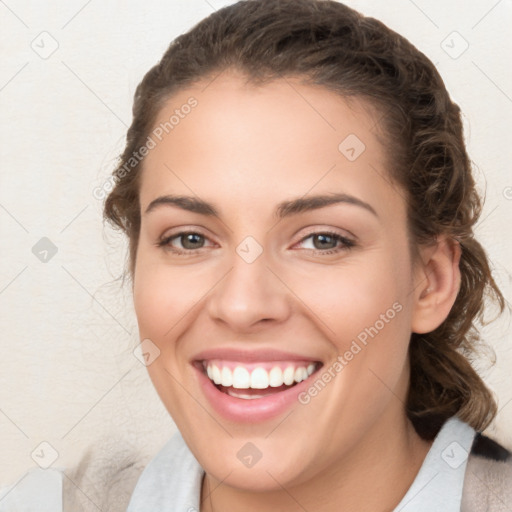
(326, 43)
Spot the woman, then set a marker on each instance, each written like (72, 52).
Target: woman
(300, 209)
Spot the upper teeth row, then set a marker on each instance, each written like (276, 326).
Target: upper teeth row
(259, 378)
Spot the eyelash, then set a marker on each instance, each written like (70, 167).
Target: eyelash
(347, 244)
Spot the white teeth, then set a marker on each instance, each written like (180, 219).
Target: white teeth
(241, 378)
(227, 377)
(259, 378)
(289, 375)
(216, 375)
(245, 396)
(275, 377)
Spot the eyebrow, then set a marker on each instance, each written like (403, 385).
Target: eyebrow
(284, 209)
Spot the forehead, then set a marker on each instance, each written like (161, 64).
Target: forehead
(265, 142)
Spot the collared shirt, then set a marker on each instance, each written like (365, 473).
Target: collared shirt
(173, 478)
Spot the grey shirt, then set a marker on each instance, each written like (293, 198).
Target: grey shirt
(172, 480)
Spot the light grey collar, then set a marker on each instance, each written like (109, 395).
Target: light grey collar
(438, 485)
(170, 482)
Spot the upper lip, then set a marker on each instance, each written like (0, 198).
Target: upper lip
(250, 356)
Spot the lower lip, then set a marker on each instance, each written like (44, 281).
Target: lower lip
(241, 410)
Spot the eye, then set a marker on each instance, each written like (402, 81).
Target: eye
(184, 242)
(326, 242)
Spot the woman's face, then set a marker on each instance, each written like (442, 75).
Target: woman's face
(296, 261)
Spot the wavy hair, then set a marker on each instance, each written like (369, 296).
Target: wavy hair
(328, 44)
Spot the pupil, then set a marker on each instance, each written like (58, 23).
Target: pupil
(191, 240)
(326, 242)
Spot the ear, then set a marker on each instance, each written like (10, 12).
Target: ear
(437, 282)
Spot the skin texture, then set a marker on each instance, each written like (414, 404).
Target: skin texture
(246, 149)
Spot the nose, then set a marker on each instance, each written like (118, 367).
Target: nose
(249, 296)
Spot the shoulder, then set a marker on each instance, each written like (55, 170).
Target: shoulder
(488, 479)
(103, 479)
(117, 478)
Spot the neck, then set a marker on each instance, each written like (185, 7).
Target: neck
(373, 476)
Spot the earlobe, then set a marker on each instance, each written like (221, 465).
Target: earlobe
(436, 285)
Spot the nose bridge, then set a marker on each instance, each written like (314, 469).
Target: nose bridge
(249, 292)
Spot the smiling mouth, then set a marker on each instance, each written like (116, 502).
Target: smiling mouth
(257, 380)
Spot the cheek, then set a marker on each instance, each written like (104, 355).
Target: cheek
(351, 298)
(163, 295)
(164, 300)
(364, 310)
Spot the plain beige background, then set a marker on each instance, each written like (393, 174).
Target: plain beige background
(68, 377)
